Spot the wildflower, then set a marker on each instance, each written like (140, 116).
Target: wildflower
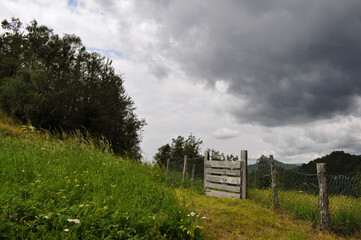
(75, 180)
(192, 214)
(66, 230)
(77, 221)
(74, 171)
(186, 205)
(83, 171)
(86, 171)
(46, 217)
(85, 185)
(23, 170)
(180, 211)
(204, 217)
(181, 220)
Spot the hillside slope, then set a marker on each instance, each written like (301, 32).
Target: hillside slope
(242, 219)
(68, 189)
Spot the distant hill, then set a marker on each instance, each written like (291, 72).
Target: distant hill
(337, 163)
(278, 164)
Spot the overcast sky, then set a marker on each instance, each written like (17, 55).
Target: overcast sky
(277, 77)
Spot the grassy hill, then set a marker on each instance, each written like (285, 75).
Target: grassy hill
(70, 189)
(73, 189)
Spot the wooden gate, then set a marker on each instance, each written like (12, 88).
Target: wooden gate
(225, 178)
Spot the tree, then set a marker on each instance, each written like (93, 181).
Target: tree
(178, 148)
(164, 153)
(54, 83)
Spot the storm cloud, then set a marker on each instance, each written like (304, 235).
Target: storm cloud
(277, 77)
(289, 61)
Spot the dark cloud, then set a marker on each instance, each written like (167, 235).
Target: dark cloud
(293, 61)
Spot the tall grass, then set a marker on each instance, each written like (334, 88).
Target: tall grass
(70, 189)
(176, 181)
(345, 212)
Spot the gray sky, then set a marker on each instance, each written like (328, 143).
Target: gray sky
(277, 77)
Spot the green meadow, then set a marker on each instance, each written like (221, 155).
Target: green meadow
(345, 215)
(69, 189)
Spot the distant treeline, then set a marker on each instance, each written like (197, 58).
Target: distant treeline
(337, 163)
(53, 83)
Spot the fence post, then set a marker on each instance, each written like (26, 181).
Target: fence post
(167, 171)
(206, 157)
(275, 203)
(244, 157)
(184, 170)
(193, 171)
(323, 197)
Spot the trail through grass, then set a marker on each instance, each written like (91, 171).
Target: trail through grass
(243, 219)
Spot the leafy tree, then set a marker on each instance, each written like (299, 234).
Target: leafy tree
(164, 152)
(54, 83)
(178, 148)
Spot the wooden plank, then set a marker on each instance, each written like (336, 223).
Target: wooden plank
(223, 172)
(223, 164)
(224, 187)
(224, 179)
(222, 194)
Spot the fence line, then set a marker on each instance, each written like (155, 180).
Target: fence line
(303, 195)
(297, 192)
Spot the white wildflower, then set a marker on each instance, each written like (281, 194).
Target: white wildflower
(192, 214)
(204, 217)
(46, 217)
(66, 230)
(77, 221)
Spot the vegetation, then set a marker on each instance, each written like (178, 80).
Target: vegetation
(179, 148)
(338, 163)
(344, 211)
(53, 83)
(67, 189)
(243, 219)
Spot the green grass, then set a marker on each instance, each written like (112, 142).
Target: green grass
(243, 219)
(345, 212)
(44, 183)
(176, 181)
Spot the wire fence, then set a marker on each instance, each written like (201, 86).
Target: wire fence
(298, 191)
(193, 177)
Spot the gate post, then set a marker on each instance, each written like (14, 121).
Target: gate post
(244, 157)
(206, 157)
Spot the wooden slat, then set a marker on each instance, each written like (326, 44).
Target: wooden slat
(223, 171)
(222, 194)
(236, 189)
(223, 164)
(224, 179)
